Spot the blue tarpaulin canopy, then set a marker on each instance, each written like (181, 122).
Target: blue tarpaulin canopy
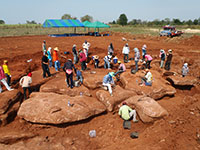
(62, 23)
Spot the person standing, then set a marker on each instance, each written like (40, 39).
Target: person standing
(7, 72)
(169, 60)
(44, 48)
(49, 57)
(162, 57)
(136, 58)
(25, 82)
(45, 66)
(126, 51)
(74, 52)
(144, 51)
(148, 62)
(82, 60)
(110, 49)
(185, 70)
(2, 79)
(79, 76)
(86, 46)
(108, 81)
(126, 113)
(55, 59)
(107, 61)
(68, 66)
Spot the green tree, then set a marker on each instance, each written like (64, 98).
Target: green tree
(196, 22)
(31, 22)
(122, 20)
(167, 21)
(177, 22)
(86, 18)
(2, 22)
(66, 16)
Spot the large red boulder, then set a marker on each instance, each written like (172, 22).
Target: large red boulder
(147, 108)
(160, 87)
(182, 81)
(51, 108)
(119, 95)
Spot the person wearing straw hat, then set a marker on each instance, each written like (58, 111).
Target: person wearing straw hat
(55, 59)
(108, 81)
(121, 69)
(185, 70)
(74, 52)
(68, 66)
(83, 59)
(2, 79)
(169, 60)
(7, 71)
(25, 82)
(147, 79)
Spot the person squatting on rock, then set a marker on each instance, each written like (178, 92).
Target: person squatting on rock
(68, 66)
(110, 49)
(49, 57)
(185, 70)
(45, 66)
(136, 58)
(74, 52)
(107, 61)
(96, 61)
(147, 79)
(44, 48)
(25, 82)
(126, 113)
(79, 76)
(126, 51)
(7, 72)
(86, 46)
(162, 57)
(148, 61)
(144, 51)
(2, 80)
(83, 59)
(121, 69)
(169, 60)
(108, 81)
(55, 59)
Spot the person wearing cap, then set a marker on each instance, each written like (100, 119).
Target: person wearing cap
(108, 81)
(136, 58)
(7, 71)
(126, 113)
(25, 82)
(144, 51)
(2, 79)
(68, 66)
(74, 52)
(86, 46)
(162, 57)
(148, 61)
(83, 59)
(44, 49)
(169, 60)
(55, 59)
(185, 70)
(45, 66)
(121, 69)
(107, 60)
(96, 61)
(49, 57)
(110, 49)
(147, 79)
(125, 52)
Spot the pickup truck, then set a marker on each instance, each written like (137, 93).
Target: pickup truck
(170, 31)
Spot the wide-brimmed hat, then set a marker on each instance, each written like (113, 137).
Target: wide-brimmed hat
(185, 64)
(5, 61)
(112, 74)
(74, 45)
(170, 50)
(119, 62)
(146, 70)
(144, 46)
(56, 49)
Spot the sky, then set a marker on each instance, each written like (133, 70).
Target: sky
(19, 11)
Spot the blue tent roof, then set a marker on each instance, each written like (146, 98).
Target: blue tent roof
(62, 23)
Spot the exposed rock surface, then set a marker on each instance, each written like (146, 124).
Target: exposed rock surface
(182, 81)
(147, 108)
(119, 95)
(51, 108)
(59, 85)
(159, 88)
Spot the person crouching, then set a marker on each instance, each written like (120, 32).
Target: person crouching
(108, 81)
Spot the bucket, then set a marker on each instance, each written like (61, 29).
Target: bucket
(115, 60)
